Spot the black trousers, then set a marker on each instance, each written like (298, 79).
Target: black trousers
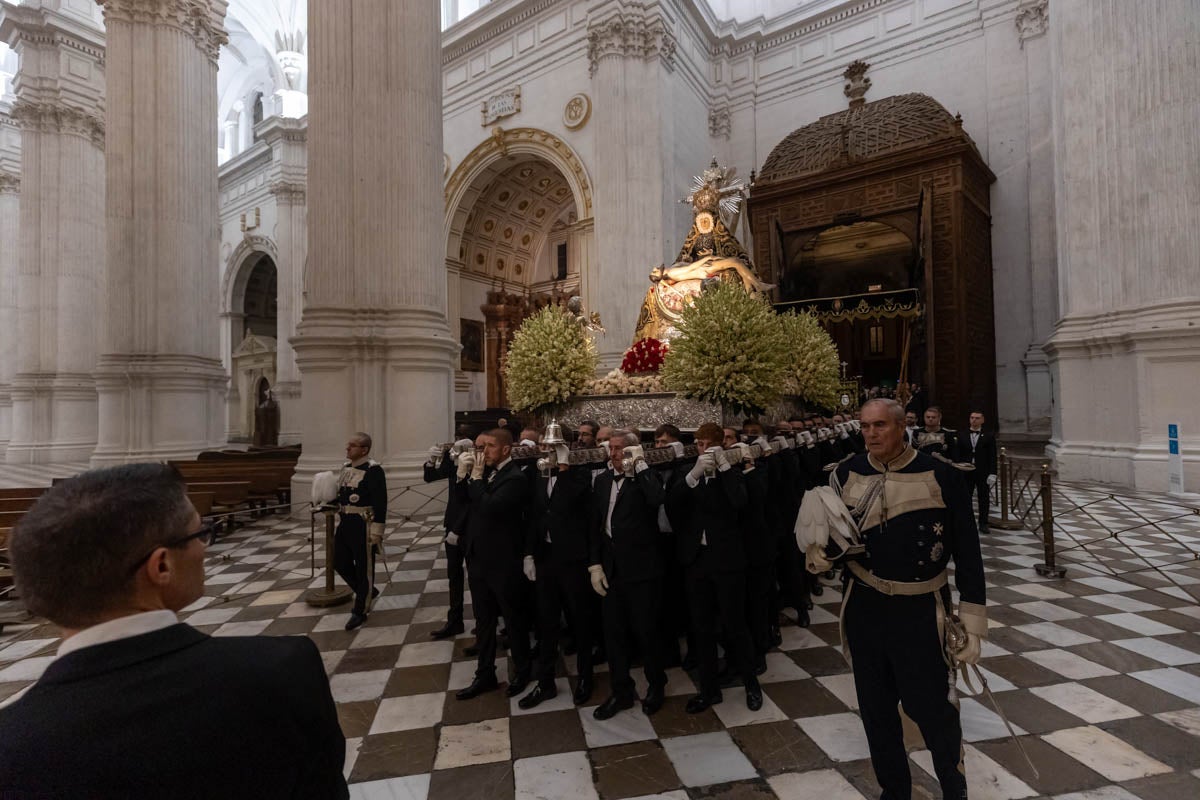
(977, 483)
(350, 558)
(760, 580)
(794, 583)
(457, 577)
(631, 610)
(564, 587)
(897, 658)
(714, 592)
(496, 592)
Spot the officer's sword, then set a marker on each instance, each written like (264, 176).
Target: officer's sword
(992, 699)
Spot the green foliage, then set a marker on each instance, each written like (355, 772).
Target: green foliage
(550, 359)
(730, 350)
(813, 360)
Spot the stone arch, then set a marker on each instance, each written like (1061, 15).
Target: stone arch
(462, 189)
(238, 267)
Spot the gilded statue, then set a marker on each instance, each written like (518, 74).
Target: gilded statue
(711, 251)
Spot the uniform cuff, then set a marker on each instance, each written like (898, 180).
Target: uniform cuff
(723, 468)
(690, 481)
(640, 466)
(974, 618)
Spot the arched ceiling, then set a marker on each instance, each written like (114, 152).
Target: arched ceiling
(508, 224)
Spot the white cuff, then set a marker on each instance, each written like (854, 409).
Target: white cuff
(724, 467)
(640, 466)
(690, 481)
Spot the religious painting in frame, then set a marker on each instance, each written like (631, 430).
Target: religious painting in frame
(471, 338)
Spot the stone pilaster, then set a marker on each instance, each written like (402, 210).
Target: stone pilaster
(10, 226)
(373, 348)
(1126, 352)
(288, 138)
(160, 381)
(59, 108)
(631, 53)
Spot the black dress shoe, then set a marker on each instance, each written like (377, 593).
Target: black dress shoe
(583, 691)
(775, 636)
(653, 700)
(447, 630)
(754, 698)
(609, 708)
(471, 650)
(478, 687)
(703, 701)
(802, 618)
(517, 684)
(760, 666)
(818, 589)
(355, 621)
(539, 695)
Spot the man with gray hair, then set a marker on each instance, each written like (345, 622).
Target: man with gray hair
(136, 703)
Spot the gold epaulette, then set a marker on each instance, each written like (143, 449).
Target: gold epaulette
(830, 467)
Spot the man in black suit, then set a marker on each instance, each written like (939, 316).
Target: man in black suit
(673, 612)
(979, 446)
(626, 568)
(709, 503)
(758, 533)
(443, 465)
(558, 539)
(496, 548)
(138, 704)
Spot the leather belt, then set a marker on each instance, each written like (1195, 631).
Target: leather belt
(366, 512)
(884, 586)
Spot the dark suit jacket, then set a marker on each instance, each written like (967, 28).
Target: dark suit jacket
(176, 713)
(632, 553)
(562, 514)
(982, 455)
(758, 530)
(457, 502)
(496, 525)
(713, 509)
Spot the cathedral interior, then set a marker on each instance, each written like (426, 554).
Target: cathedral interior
(327, 217)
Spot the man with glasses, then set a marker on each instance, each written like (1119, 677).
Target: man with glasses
(137, 704)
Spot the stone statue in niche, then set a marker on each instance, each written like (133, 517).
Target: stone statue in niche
(266, 420)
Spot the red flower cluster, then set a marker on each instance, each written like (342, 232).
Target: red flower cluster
(646, 355)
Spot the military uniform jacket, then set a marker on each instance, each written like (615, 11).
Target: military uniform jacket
(632, 553)
(496, 525)
(943, 441)
(560, 515)
(457, 502)
(363, 485)
(711, 510)
(914, 516)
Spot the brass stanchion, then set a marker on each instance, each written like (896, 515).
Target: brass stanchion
(1049, 568)
(1003, 522)
(329, 596)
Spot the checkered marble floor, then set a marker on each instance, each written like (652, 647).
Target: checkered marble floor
(1099, 672)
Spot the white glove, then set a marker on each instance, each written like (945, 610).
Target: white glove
(806, 437)
(562, 454)
(677, 447)
(815, 560)
(783, 443)
(529, 568)
(718, 457)
(466, 461)
(477, 466)
(452, 539)
(991, 481)
(634, 453)
(599, 581)
(764, 445)
(435, 453)
(743, 451)
(857, 425)
(843, 431)
(375, 533)
(703, 463)
(971, 651)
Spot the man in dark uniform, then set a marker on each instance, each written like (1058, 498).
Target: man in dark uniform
(626, 569)
(362, 501)
(979, 447)
(496, 538)
(913, 515)
(558, 539)
(443, 464)
(933, 439)
(759, 538)
(708, 505)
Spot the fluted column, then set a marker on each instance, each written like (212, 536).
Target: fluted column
(1126, 352)
(60, 110)
(160, 381)
(288, 139)
(372, 346)
(10, 226)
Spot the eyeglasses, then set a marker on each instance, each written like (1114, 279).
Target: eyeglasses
(204, 534)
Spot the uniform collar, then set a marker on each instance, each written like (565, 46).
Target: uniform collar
(899, 462)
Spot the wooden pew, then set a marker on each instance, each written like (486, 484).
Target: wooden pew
(17, 503)
(30, 491)
(202, 502)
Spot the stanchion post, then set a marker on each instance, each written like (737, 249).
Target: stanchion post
(1005, 478)
(328, 596)
(1048, 568)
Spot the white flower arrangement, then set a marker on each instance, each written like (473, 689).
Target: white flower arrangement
(617, 382)
(813, 367)
(550, 359)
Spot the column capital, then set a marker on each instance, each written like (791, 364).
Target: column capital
(202, 20)
(1033, 19)
(633, 35)
(9, 183)
(52, 117)
(288, 191)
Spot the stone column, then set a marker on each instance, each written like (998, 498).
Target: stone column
(160, 380)
(631, 53)
(10, 226)
(288, 139)
(372, 346)
(1126, 352)
(60, 110)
